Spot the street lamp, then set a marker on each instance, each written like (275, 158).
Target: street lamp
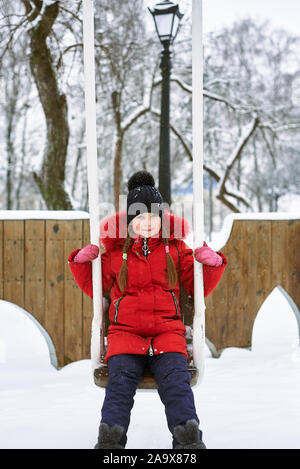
(166, 17)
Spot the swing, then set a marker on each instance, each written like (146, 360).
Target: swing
(192, 310)
(148, 381)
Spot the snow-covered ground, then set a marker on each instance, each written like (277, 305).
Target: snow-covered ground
(248, 399)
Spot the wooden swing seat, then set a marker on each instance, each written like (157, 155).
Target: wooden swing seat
(148, 381)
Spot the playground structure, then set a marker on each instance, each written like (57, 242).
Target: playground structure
(262, 253)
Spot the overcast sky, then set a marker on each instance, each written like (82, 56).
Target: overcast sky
(281, 13)
(218, 13)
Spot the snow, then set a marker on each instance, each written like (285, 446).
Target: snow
(43, 214)
(247, 399)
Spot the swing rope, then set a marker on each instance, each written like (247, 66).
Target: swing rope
(92, 169)
(198, 205)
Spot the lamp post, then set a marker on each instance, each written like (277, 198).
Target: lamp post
(166, 17)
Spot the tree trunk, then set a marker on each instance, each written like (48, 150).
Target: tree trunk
(211, 207)
(51, 178)
(23, 157)
(118, 172)
(116, 99)
(256, 172)
(11, 97)
(10, 160)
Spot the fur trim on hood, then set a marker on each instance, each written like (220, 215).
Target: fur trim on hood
(113, 229)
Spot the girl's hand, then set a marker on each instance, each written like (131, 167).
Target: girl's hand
(207, 256)
(86, 254)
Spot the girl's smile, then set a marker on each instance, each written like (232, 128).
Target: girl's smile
(146, 225)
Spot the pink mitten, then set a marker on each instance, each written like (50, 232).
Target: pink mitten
(207, 256)
(88, 253)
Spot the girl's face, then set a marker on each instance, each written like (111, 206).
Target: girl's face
(146, 224)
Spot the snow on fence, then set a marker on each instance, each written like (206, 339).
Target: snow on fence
(34, 274)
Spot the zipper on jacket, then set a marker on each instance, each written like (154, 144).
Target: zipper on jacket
(117, 308)
(145, 248)
(150, 351)
(175, 302)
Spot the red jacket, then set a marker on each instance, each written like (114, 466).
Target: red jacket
(147, 313)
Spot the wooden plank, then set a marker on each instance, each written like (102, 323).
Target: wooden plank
(1, 259)
(234, 277)
(240, 276)
(278, 258)
(73, 318)
(219, 327)
(263, 265)
(295, 280)
(13, 232)
(293, 261)
(234, 244)
(35, 269)
(249, 299)
(217, 310)
(54, 285)
(87, 303)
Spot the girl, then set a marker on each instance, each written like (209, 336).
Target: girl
(141, 272)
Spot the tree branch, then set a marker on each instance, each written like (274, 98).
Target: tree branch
(234, 158)
(189, 89)
(238, 152)
(30, 11)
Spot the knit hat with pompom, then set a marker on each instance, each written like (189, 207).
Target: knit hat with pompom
(143, 196)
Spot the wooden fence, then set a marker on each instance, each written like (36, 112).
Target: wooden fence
(34, 274)
(262, 255)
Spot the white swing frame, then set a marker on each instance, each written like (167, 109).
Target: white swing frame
(93, 189)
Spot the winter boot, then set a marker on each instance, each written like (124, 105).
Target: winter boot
(188, 436)
(110, 437)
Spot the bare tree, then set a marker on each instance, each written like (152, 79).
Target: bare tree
(13, 93)
(51, 178)
(11, 105)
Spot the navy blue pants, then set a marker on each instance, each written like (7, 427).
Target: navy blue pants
(171, 373)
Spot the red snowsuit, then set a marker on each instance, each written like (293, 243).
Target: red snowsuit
(147, 312)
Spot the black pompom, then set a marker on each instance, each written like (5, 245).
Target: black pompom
(141, 178)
